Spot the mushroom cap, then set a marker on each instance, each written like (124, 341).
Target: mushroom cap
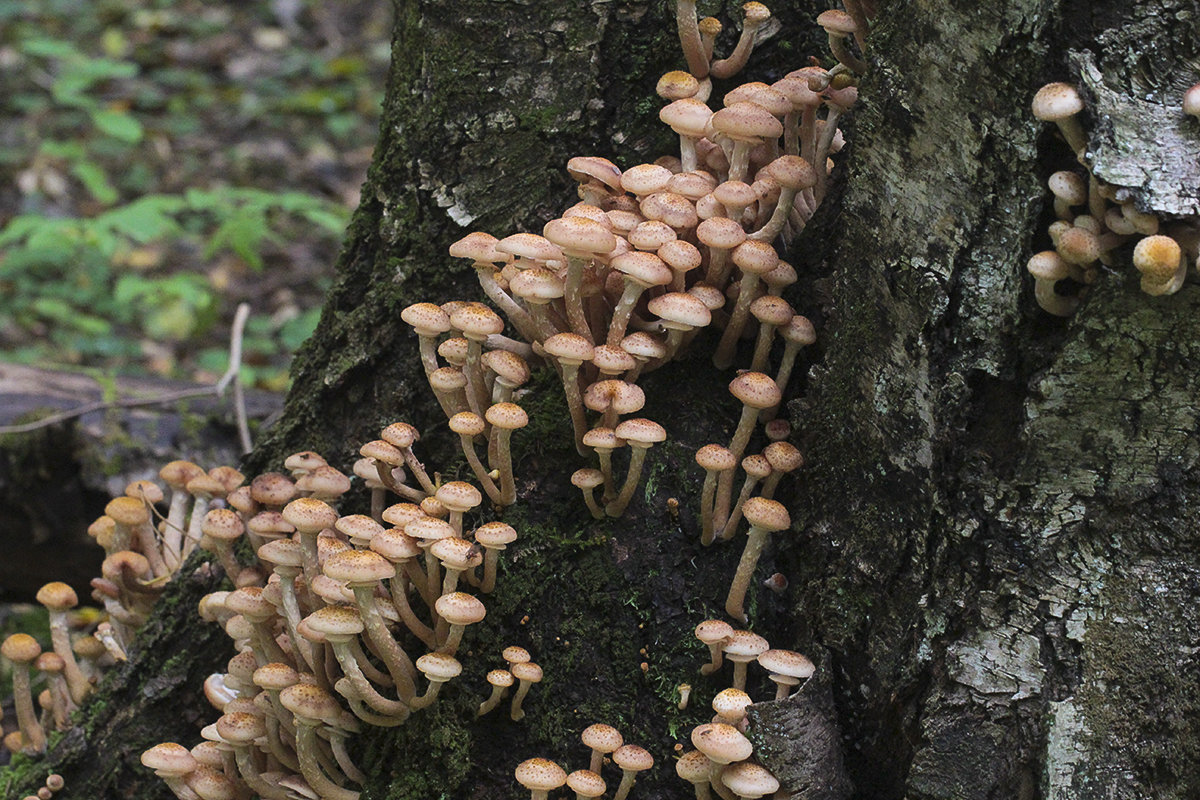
(531, 246)
(641, 432)
(1068, 186)
(612, 360)
(128, 511)
(713, 631)
(730, 704)
(746, 122)
(477, 246)
(770, 515)
(310, 702)
(604, 738)
(540, 774)
(20, 648)
(507, 416)
(650, 235)
(57, 596)
(476, 321)
(753, 256)
(460, 608)
(439, 667)
(241, 727)
(786, 662)
(632, 758)
(176, 474)
(693, 185)
(359, 526)
(694, 767)
(510, 368)
(756, 390)
(837, 22)
(586, 783)
(222, 524)
(496, 535)
(275, 676)
(711, 296)
(526, 671)
(537, 285)
(359, 567)
(680, 310)
(579, 236)
(145, 491)
(587, 478)
(602, 439)
(250, 603)
(756, 466)
(211, 784)
(760, 94)
(583, 167)
(324, 481)
(272, 489)
(400, 514)
(772, 310)
(680, 255)
(1191, 100)
(456, 553)
(1157, 257)
(514, 654)
(427, 319)
(735, 193)
(676, 84)
(500, 677)
(643, 346)
(722, 743)
(783, 457)
(569, 348)
(310, 515)
(338, 622)
(622, 396)
(799, 330)
(169, 759)
(744, 646)
(466, 423)
(395, 545)
(749, 780)
(645, 269)
(400, 434)
(458, 495)
(645, 179)
(714, 457)
(1056, 101)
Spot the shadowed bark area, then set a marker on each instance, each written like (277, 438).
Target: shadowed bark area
(991, 556)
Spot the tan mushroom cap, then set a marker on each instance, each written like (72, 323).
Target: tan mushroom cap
(676, 84)
(456, 553)
(633, 758)
(720, 232)
(537, 285)
(1156, 257)
(359, 567)
(222, 524)
(711, 296)
(680, 255)
(612, 360)
(127, 511)
(579, 236)
(515, 654)
(338, 622)
(169, 759)
(787, 662)
(586, 783)
(569, 348)
(176, 474)
(645, 179)
(680, 310)
(642, 345)
(275, 676)
(1056, 101)
(466, 423)
(645, 269)
(749, 780)
(20, 648)
(272, 489)
(744, 646)
(641, 432)
(249, 602)
(304, 461)
(395, 545)
(694, 767)
(602, 439)
(460, 608)
(476, 321)
(583, 167)
(746, 122)
(540, 774)
(510, 368)
(400, 434)
(241, 727)
(380, 450)
(310, 702)
(310, 515)
(753, 256)
(799, 330)
(211, 784)
(756, 466)
(756, 390)
(531, 246)
(324, 482)
(458, 495)
(447, 379)
(715, 458)
(428, 529)
(57, 596)
(439, 667)
(837, 21)
(770, 515)
(587, 478)
(427, 319)
(722, 743)
(783, 456)
(622, 396)
(713, 631)
(526, 671)
(604, 738)
(496, 535)
(650, 235)
(730, 704)
(478, 246)
(507, 416)
(454, 350)
(146, 491)
(772, 310)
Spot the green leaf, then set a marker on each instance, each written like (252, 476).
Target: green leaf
(95, 180)
(49, 48)
(243, 234)
(118, 124)
(143, 220)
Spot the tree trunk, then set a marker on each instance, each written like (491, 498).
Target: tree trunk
(991, 558)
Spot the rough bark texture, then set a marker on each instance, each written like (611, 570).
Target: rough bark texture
(992, 540)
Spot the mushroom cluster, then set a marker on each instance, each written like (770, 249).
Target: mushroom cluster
(541, 776)
(1095, 218)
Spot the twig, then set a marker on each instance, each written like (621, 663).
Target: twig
(218, 390)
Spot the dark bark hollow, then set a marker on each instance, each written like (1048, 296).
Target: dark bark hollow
(991, 539)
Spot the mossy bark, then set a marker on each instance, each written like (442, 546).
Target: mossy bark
(991, 556)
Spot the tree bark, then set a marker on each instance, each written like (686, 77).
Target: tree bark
(991, 557)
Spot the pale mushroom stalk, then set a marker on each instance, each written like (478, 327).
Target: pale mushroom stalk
(730, 66)
(622, 312)
(570, 381)
(33, 738)
(824, 142)
(409, 617)
(764, 517)
(636, 459)
(362, 687)
(308, 752)
(477, 391)
(573, 297)
(399, 665)
(735, 515)
(337, 745)
(689, 38)
(481, 472)
(707, 496)
(518, 316)
(360, 709)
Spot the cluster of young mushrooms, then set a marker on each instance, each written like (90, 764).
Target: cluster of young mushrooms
(325, 623)
(1096, 218)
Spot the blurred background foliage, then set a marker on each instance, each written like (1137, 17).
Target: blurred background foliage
(163, 160)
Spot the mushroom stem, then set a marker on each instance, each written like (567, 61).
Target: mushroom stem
(636, 459)
(735, 601)
(399, 665)
(689, 38)
(307, 751)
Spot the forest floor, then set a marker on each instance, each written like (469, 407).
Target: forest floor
(162, 161)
